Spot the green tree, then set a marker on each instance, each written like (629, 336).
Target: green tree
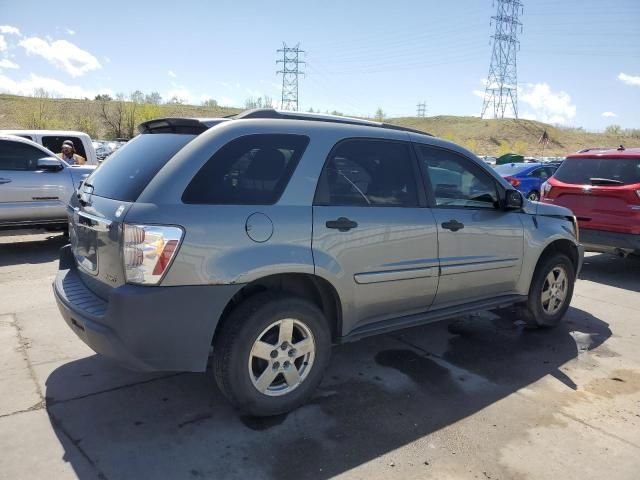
(210, 103)
(153, 98)
(379, 115)
(613, 130)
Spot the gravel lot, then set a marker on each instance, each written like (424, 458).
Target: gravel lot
(490, 401)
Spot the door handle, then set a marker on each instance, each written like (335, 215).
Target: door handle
(4, 180)
(342, 224)
(453, 225)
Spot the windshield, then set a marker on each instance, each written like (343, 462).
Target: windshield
(129, 169)
(623, 171)
(512, 168)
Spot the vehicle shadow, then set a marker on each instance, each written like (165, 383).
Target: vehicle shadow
(378, 395)
(40, 249)
(612, 270)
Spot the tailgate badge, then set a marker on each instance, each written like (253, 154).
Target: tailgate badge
(119, 211)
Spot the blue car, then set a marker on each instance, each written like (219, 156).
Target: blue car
(527, 177)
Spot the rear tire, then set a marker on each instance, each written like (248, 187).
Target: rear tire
(270, 353)
(534, 196)
(550, 291)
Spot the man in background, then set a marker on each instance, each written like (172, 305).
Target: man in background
(69, 154)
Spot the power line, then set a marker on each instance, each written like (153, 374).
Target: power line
(501, 90)
(290, 71)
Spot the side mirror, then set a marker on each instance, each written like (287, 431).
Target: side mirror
(513, 200)
(50, 164)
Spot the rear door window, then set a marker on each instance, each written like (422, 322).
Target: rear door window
(250, 170)
(54, 143)
(129, 169)
(368, 173)
(18, 156)
(585, 171)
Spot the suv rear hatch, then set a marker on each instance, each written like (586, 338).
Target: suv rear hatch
(603, 192)
(97, 211)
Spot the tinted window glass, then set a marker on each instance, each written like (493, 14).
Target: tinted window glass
(623, 171)
(54, 143)
(456, 181)
(129, 169)
(250, 170)
(541, 173)
(18, 156)
(368, 173)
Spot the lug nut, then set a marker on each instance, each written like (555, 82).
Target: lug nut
(276, 365)
(284, 346)
(292, 352)
(286, 365)
(274, 353)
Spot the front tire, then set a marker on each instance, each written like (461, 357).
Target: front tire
(550, 291)
(271, 353)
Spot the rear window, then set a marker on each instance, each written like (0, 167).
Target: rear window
(582, 170)
(250, 170)
(129, 169)
(511, 168)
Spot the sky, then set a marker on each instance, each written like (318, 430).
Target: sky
(578, 62)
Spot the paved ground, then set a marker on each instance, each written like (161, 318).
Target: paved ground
(491, 402)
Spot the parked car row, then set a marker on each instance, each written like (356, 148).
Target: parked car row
(104, 148)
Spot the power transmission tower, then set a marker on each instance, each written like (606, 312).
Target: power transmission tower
(290, 70)
(501, 90)
(422, 109)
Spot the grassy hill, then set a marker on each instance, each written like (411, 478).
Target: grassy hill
(484, 137)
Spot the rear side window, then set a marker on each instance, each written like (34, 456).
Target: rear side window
(368, 173)
(583, 171)
(250, 170)
(54, 143)
(18, 156)
(129, 169)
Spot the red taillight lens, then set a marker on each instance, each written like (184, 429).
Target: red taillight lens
(513, 181)
(165, 257)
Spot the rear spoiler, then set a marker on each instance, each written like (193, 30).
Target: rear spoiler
(189, 126)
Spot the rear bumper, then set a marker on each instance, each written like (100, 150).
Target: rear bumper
(143, 328)
(602, 241)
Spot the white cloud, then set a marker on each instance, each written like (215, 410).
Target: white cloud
(3, 43)
(9, 30)
(69, 31)
(6, 63)
(63, 54)
(172, 74)
(609, 114)
(547, 105)
(183, 94)
(227, 102)
(54, 87)
(629, 79)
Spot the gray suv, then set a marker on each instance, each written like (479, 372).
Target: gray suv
(263, 239)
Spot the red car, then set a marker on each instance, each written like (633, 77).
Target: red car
(602, 188)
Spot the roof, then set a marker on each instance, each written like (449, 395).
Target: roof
(604, 152)
(61, 133)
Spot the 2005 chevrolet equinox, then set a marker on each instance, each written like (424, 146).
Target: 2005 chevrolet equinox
(263, 239)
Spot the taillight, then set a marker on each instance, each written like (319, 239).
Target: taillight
(546, 189)
(513, 181)
(148, 251)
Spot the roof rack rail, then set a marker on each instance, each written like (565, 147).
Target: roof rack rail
(284, 115)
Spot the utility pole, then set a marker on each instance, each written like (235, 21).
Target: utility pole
(290, 70)
(501, 90)
(422, 109)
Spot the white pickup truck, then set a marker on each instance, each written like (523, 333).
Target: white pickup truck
(52, 140)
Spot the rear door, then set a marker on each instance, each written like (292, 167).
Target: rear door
(601, 192)
(480, 244)
(26, 193)
(370, 233)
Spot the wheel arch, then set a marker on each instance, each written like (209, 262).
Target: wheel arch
(311, 287)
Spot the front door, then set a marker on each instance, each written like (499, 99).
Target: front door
(371, 237)
(480, 244)
(26, 193)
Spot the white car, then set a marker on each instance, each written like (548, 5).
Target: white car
(52, 140)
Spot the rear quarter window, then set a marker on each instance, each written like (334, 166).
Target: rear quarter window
(127, 171)
(250, 170)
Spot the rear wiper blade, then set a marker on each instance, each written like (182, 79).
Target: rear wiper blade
(605, 181)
